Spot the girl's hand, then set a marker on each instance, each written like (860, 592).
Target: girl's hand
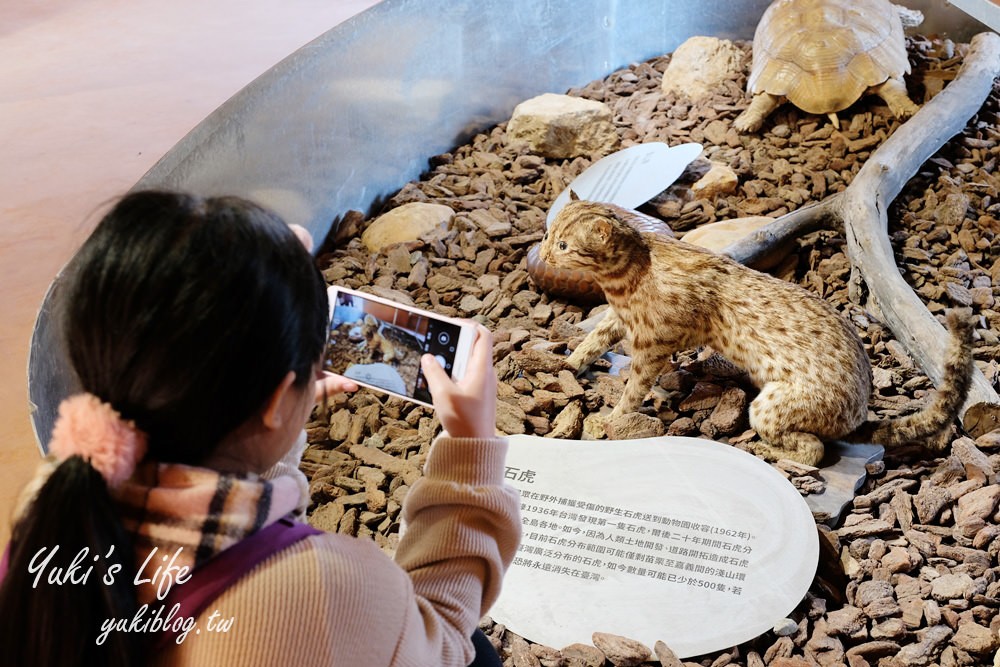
(328, 384)
(467, 408)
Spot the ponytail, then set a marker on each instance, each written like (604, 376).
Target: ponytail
(181, 316)
(51, 611)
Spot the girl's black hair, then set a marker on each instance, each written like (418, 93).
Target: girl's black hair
(184, 314)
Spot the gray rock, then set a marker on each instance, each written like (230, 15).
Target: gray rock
(785, 627)
(952, 586)
(842, 477)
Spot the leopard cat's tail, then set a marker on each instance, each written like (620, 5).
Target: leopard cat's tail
(926, 426)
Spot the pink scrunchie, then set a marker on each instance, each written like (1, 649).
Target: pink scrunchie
(92, 429)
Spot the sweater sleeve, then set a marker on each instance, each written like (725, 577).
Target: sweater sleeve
(338, 600)
(463, 528)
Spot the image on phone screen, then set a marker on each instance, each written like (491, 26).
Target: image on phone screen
(379, 344)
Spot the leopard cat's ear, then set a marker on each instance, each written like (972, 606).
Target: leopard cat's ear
(573, 196)
(602, 229)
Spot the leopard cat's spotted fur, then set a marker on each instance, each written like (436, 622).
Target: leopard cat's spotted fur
(808, 362)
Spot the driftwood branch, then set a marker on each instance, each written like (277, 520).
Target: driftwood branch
(757, 248)
(862, 208)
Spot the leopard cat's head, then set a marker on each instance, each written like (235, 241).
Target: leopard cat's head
(589, 236)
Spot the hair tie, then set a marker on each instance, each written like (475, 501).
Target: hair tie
(92, 429)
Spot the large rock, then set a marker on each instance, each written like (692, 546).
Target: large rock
(562, 126)
(699, 66)
(717, 235)
(405, 223)
(719, 180)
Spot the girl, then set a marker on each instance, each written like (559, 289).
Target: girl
(196, 328)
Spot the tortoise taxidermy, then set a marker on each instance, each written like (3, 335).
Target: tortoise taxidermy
(823, 55)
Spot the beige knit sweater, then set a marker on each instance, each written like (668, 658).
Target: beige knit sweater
(338, 600)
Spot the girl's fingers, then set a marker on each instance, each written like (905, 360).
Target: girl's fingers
(328, 384)
(437, 378)
(481, 359)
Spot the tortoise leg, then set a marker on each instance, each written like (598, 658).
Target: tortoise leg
(893, 91)
(753, 116)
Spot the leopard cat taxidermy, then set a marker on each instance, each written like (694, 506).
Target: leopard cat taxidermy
(380, 347)
(808, 362)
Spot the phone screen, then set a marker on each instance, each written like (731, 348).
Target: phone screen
(379, 344)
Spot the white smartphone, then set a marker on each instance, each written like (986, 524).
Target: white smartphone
(378, 343)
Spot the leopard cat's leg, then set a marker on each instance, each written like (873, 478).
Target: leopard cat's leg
(608, 331)
(646, 366)
(778, 414)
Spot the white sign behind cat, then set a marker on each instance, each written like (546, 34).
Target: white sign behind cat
(630, 177)
(683, 540)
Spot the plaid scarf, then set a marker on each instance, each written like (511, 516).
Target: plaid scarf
(189, 514)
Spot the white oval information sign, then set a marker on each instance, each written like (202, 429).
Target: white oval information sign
(683, 540)
(630, 177)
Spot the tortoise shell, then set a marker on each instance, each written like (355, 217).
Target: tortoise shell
(822, 55)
